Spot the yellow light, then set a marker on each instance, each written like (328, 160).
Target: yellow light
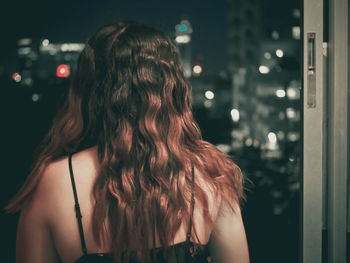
(197, 69)
(264, 69)
(235, 115)
(279, 53)
(272, 137)
(296, 32)
(207, 103)
(280, 93)
(45, 42)
(292, 93)
(267, 55)
(291, 113)
(209, 95)
(183, 39)
(293, 136)
(249, 142)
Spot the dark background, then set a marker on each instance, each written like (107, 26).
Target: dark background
(24, 123)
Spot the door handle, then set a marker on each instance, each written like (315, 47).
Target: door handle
(311, 71)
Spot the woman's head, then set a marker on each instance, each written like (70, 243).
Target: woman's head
(130, 98)
(129, 78)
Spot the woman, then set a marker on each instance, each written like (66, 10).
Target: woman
(126, 156)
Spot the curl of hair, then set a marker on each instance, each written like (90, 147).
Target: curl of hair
(130, 98)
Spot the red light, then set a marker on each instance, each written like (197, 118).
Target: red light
(16, 77)
(62, 71)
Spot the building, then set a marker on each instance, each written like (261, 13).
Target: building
(183, 32)
(264, 64)
(243, 50)
(45, 62)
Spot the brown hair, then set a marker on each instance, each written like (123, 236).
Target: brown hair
(130, 98)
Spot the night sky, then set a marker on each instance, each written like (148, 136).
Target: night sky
(75, 21)
(71, 21)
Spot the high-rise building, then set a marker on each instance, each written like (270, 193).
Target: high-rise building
(244, 52)
(45, 62)
(183, 32)
(27, 54)
(243, 34)
(263, 63)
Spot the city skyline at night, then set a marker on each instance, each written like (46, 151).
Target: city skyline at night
(66, 21)
(240, 58)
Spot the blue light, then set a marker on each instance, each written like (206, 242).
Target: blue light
(183, 28)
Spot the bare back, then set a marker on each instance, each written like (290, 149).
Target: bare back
(62, 215)
(48, 229)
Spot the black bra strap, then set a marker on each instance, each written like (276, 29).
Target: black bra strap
(192, 208)
(77, 207)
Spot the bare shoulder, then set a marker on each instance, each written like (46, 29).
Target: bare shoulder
(200, 212)
(49, 218)
(55, 189)
(214, 198)
(55, 173)
(229, 234)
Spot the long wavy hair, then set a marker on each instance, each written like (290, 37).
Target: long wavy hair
(130, 98)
